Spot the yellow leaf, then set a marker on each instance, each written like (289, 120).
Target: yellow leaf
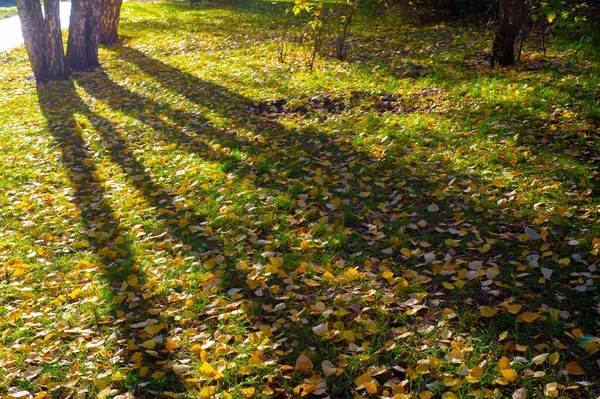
(132, 279)
(487, 311)
(248, 391)
(528, 317)
(44, 395)
(157, 374)
(207, 370)
(274, 265)
(450, 382)
(14, 316)
(18, 273)
(208, 392)
(150, 344)
(510, 374)
(564, 261)
(351, 274)
(137, 357)
(448, 285)
(335, 203)
(503, 336)
(574, 368)
(551, 390)
(503, 363)
(476, 372)
(304, 364)
(449, 395)
(153, 329)
(171, 345)
(349, 335)
(182, 223)
(365, 380)
(485, 248)
(553, 358)
(406, 252)
(117, 376)
(514, 309)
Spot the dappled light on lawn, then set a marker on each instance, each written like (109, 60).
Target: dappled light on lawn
(197, 219)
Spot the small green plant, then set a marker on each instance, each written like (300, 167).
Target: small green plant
(327, 27)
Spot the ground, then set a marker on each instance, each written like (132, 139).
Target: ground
(199, 219)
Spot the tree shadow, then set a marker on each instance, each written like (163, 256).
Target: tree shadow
(307, 156)
(295, 152)
(134, 297)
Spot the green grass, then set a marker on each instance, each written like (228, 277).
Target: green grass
(175, 235)
(6, 12)
(8, 8)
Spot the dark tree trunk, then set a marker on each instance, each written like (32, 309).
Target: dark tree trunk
(511, 22)
(110, 21)
(84, 34)
(76, 54)
(93, 32)
(43, 39)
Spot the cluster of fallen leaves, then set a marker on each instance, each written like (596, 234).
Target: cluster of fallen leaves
(170, 230)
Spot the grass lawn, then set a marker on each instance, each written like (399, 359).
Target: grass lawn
(8, 8)
(6, 12)
(197, 219)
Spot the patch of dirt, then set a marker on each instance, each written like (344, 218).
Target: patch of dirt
(333, 103)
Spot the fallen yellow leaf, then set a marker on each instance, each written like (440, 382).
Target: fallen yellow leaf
(528, 317)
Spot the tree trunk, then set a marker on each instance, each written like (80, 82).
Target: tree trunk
(511, 22)
(84, 34)
(57, 63)
(43, 39)
(93, 32)
(110, 21)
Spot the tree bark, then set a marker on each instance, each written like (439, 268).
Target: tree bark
(93, 32)
(84, 34)
(57, 63)
(511, 22)
(43, 39)
(110, 21)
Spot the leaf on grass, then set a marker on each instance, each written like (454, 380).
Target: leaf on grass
(366, 381)
(487, 311)
(149, 344)
(528, 317)
(304, 364)
(320, 329)
(553, 358)
(510, 374)
(520, 393)
(539, 359)
(18, 395)
(574, 368)
(328, 368)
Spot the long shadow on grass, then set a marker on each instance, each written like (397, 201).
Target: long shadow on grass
(298, 149)
(108, 242)
(328, 162)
